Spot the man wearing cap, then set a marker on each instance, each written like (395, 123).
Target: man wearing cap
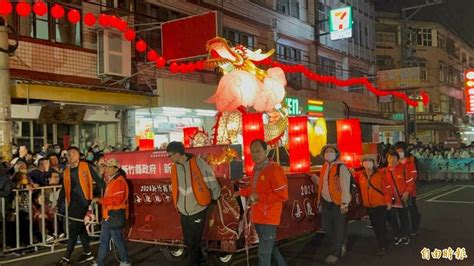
(193, 187)
(114, 213)
(334, 197)
(77, 194)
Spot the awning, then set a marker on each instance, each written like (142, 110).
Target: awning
(70, 94)
(436, 126)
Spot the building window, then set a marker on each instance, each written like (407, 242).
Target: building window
(423, 68)
(238, 37)
(323, 16)
(444, 103)
(356, 73)
(384, 62)
(385, 38)
(288, 53)
(423, 37)
(355, 31)
(289, 7)
(443, 69)
(441, 39)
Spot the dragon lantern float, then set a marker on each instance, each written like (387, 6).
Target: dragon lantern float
(245, 88)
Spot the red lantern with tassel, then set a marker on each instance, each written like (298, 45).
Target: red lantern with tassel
(73, 16)
(189, 133)
(23, 9)
(298, 144)
(349, 141)
(40, 8)
(252, 129)
(57, 11)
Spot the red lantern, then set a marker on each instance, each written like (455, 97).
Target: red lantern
(174, 67)
(160, 62)
(114, 21)
(199, 65)
(147, 144)
(40, 8)
(122, 25)
(349, 141)
(130, 35)
(73, 16)
(57, 11)
(151, 55)
(104, 20)
(140, 46)
(23, 9)
(183, 68)
(252, 129)
(89, 19)
(5, 8)
(191, 67)
(298, 143)
(189, 133)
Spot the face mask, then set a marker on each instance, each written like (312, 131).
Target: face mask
(401, 155)
(57, 151)
(90, 157)
(14, 151)
(330, 156)
(369, 165)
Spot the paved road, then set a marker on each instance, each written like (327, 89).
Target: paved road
(447, 221)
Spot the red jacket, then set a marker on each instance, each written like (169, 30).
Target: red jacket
(372, 193)
(411, 172)
(115, 196)
(272, 190)
(402, 183)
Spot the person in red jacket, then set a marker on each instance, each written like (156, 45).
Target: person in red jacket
(114, 213)
(397, 190)
(409, 163)
(267, 192)
(371, 186)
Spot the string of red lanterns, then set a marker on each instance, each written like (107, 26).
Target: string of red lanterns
(104, 20)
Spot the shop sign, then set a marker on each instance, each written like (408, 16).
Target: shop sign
(293, 105)
(56, 115)
(469, 90)
(340, 23)
(398, 116)
(399, 78)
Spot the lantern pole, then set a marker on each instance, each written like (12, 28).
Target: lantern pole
(5, 97)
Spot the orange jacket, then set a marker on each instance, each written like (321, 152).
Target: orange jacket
(272, 190)
(200, 190)
(115, 196)
(403, 184)
(334, 182)
(411, 172)
(85, 180)
(372, 193)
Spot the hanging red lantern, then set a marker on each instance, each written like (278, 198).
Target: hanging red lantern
(57, 11)
(191, 67)
(349, 141)
(23, 9)
(174, 67)
(151, 55)
(89, 19)
(189, 133)
(5, 8)
(104, 20)
(141, 46)
(122, 25)
(114, 21)
(73, 16)
(40, 8)
(130, 35)
(252, 129)
(199, 65)
(183, 68)
(160, 62)
(298, 144)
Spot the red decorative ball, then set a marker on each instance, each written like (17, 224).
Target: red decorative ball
(130, 35)
(122, 25)
(57, 11)
(183, 68)
(40, 8)
(199, 65)
(89, 19)
(160, 62)
(5, 8)
(151, 55)
(104, 20)
(141, 46)
(191, 67)
(174, 67)
(114, 21)
(73, 16)
(23, 9)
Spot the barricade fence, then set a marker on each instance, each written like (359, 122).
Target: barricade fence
(445, 169)
(31, 219)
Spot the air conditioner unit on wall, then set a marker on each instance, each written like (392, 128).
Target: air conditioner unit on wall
(113, 54)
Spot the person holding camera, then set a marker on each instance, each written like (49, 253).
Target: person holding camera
(396, 193)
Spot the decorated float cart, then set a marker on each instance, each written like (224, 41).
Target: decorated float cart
(250, 101)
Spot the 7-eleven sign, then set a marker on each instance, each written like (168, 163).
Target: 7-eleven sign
(340, 23)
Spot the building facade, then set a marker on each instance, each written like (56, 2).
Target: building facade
(442, 58)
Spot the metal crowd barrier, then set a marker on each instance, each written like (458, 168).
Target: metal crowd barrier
(12, 209)
(445, 169)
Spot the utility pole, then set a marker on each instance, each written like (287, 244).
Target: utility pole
(5, 97)
(405, 19)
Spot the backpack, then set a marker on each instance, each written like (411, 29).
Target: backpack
(353, 184)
